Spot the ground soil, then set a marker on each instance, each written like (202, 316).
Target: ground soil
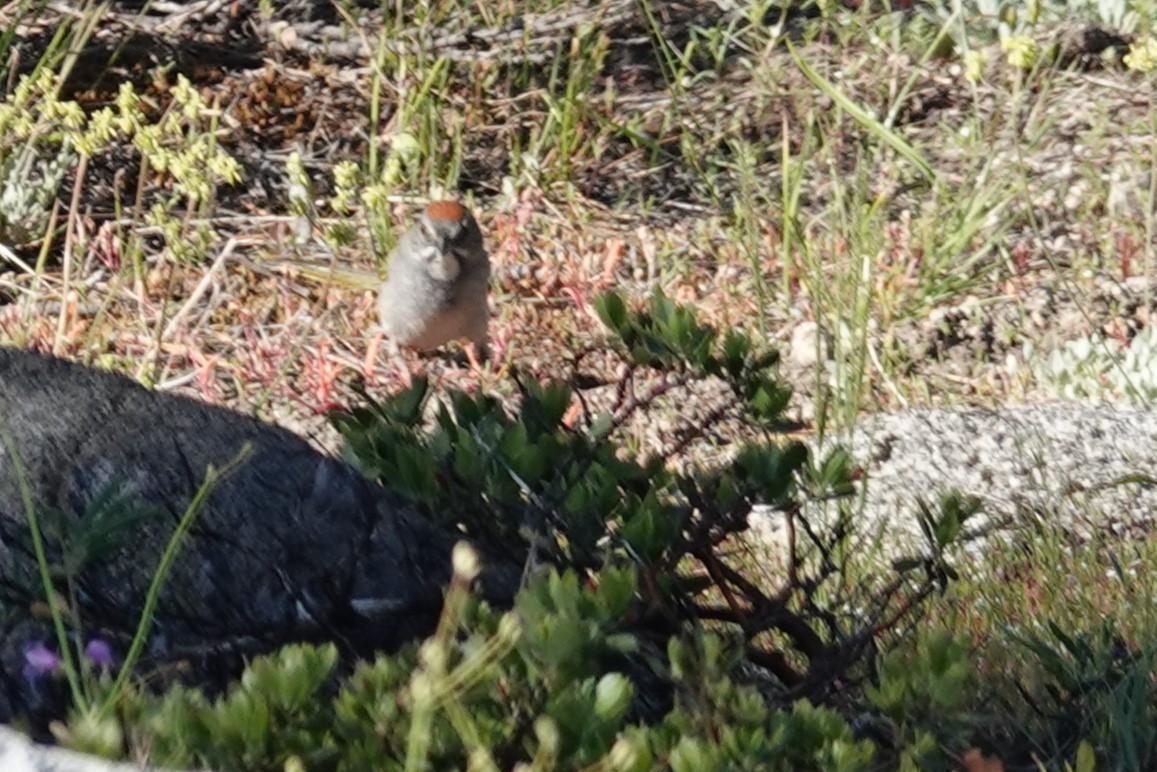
(287, 348)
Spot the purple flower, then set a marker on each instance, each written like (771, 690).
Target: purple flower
(39, 660)
(99, 652)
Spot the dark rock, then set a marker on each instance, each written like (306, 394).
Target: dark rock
(291, 545)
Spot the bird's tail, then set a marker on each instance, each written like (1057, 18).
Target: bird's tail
(326, 273)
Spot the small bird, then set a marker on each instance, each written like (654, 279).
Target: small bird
(436, 286)
(435, 289)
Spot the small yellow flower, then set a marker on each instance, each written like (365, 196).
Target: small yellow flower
(22, 126)
(69, 113)
(1021, 50)
(345, 175)
(345, 180)
(1142, 55)
(130, 116)
(376, 197)
(29, 89)
(299, 184)
(83, 144)
(974, 62)
(101, 128)
(293, 165)
(225, 167)
(148, 141)
(405, 145)
(7, 114)
(188, 99)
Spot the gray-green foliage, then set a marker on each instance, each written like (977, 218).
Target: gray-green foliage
(1012, 16)
(43, 138)
(28, 186)
(1101, 368)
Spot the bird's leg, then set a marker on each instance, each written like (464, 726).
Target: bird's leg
(369, 364)
(477, 353)
(399, 362)
(393, 355)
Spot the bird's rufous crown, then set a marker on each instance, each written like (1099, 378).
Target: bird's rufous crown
(445, 210)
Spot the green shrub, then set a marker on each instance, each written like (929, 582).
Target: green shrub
(492, 704)
(640, 638)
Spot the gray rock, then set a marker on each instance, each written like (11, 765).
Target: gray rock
(292, 545)
(1058, 460)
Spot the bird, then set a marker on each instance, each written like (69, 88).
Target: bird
(437, 281)
(435, 290)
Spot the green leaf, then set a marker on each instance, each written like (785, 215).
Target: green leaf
(469, 459)
(613, 694)
(623, 643)
(616, 591)
(662, 309)
(691, 755)
(104, 527)
(837, 468)
(468, 411)
(726, 493)
(602, 424)
(651, 530)
(513, 441)
(545, 411)
(947, 529)
(767, 399)
(612, 311)
(406, 406)
(530, 464)
(1086, 758)
(904, 565)
(735, 348)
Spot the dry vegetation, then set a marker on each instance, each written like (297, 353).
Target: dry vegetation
(943, 213)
